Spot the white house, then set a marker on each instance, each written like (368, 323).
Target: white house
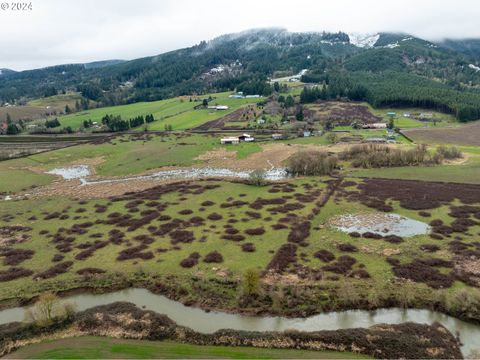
(375, 126)
(246, 138)
(229, 140)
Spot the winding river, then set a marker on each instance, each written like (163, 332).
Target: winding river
(209, 322)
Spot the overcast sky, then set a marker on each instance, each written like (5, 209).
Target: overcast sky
(72, 31)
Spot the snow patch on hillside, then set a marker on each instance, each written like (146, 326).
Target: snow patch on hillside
(392, 46)
(474, 67)
(363, 40)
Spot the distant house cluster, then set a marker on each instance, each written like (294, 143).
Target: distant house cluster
(229, 140)
(420, 116)
(240, 95)
(375, 126)
(218, 107)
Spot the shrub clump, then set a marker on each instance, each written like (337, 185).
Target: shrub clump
(300, 232)
(214, 217)
(248, 247)
(424, 272)
(14, 273)
(190, 261)
(311, 163)
(213, 257)
(342, 266)
(347, 248)
(14, 257)
(256, 231)
(285, 256)
(136, 252)
(181, 236)
(377, 156)
(55, 270)
(449, 152)
(324, 255)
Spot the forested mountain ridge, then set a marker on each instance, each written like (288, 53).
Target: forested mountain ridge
(448, 72)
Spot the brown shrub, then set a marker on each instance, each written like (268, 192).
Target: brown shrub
(248, 247)
(324, 255)
(299, 232)
(235, 237)
(136, 252)
(429, 248)
(360, 274)
(90, 271)
(214, 217)
(191, 261)
(279, 226)
(342, 266)
(14, 257)
(285, 256)
(14, 273)
(55, 270)
(394, 239)
(181, 236)
(347, 248)
(213, 257)
(420, 272)
(256, 231)
(57, 257)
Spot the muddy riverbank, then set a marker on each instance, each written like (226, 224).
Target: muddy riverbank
(125, 320)
(210, 321)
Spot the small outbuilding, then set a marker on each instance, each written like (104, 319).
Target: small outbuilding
(375, 126)
(230, 140)
(246, 138)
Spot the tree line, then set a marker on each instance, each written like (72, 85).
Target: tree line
(115, 123)
(394, 89)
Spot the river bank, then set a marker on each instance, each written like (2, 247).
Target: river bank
(125, 320)
(208, 321)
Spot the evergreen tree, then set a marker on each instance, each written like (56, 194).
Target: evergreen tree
(289, 102)
(12, 129)
(299, 115)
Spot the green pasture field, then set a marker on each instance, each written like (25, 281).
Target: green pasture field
(208, 237)
(177, 112)
(127, 155)
(465, 172)
(410, 122)
(58, 101)
(19, 178)
(91, 347)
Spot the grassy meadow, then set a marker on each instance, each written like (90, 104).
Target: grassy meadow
(178, 112)
(90, 347)
(171, 231)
